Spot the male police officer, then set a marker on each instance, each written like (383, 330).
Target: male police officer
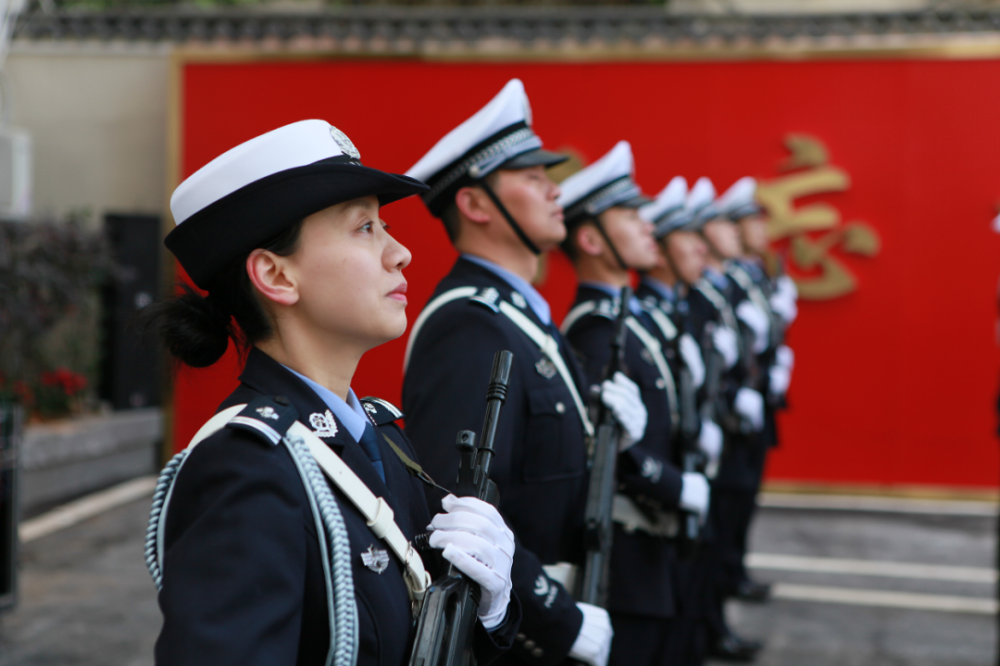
(489, 187)
(777, 300)
(738, 479)
(664, 290)
(606, 238)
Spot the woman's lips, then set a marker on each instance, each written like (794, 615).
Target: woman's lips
(399, 293)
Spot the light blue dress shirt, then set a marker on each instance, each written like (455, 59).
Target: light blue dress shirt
(665, 291)
(634, 306)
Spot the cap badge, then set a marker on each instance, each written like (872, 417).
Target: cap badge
(517, 299)
(546, 368)
(345, 144)
(324, 425)
(375, 559)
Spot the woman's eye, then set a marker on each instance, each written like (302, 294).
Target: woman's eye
(386, 226)
(366, 227)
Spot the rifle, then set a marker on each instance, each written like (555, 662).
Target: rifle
(451, 604)
(601, 491)
(713, 378)
(692, 458)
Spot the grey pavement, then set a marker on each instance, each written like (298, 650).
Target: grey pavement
(799, 633)
(86, 598)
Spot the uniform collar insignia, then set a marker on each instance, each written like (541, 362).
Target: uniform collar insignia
(375, 559)
(517, 299)
(324, 425)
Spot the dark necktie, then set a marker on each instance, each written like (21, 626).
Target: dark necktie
(369, 443)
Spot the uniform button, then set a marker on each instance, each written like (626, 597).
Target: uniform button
(537, 652)
(561, 408)
(660, 383)
(519, 637)
(528, 644)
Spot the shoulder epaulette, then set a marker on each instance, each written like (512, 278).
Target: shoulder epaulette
(488, 296)
(266, 417)
(606, 308)
(380, 411)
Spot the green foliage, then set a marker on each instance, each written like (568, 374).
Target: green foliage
(49, 279)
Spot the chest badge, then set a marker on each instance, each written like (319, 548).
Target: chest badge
(517, 299)
(324, 425)
(546, 368)
(375, 559)
(652, 470)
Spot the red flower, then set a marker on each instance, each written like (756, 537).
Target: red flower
(70, 382)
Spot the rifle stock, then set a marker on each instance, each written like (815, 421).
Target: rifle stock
(601, 491)
(451, 604)
(713, 379)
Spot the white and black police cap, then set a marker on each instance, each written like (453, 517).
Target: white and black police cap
(499, 135)
(699, 206)
(604, 184)
(663, 212)
(739, 200)
(255, 191)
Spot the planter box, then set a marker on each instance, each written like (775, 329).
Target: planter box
(66, 459)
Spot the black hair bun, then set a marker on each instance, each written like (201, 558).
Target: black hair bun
(192, 327)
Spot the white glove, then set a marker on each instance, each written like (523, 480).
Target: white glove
(779, 378)
(780, 374)
(785, 357)
(695, 494)
(783, 299)
(750, 405)
(786, 286)
(691, 354)
(593, 644)
(751, 315)
(710, 440)
(478, 542)
(621, 395)
(725, 342)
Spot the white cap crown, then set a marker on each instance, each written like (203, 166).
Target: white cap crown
(509, 107)
(288, 147)
(670, 199)
(739, 200)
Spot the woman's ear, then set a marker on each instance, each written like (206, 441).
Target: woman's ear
(270, 275)
(471, 203)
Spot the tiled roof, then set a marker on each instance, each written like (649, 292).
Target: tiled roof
(413, 30)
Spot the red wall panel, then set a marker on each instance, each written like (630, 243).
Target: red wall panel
(894, 383)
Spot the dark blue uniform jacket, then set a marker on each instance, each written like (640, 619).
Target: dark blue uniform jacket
(243, 582)
(643, 567)
(540, 466)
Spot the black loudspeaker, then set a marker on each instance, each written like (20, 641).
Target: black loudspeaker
(130, 367)
(10, 435)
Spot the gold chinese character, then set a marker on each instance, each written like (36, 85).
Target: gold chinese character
(786, 221)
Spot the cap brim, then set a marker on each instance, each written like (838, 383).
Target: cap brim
(635, 202)
(537, 157)
(233, 226)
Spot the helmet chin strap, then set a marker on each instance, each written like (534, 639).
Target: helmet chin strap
(510, 218)
(673, 264)
(607, 239)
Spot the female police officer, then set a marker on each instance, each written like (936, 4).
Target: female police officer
(259, 560)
